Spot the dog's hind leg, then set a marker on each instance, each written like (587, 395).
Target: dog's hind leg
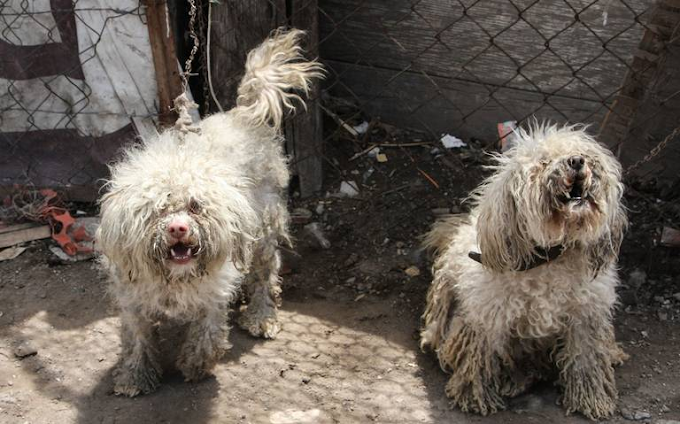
(205, 343)
(476, 369)
(138, 371)
(262, 285)
(263, 289)
(586, 369)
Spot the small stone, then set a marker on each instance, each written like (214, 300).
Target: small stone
(665, 409)
(659, 299)
(24, 350)
(306, 380)
(319, 209)
(663, 315)
(676, 296)
(635, 415)
(351, 260)
(412, 271)
(637, 279)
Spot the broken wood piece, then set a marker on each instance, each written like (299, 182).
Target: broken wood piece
(14, 235)
(340, 122)
(670, 237)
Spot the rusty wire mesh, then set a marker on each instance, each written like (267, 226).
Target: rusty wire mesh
(59, 126)
(411, 69)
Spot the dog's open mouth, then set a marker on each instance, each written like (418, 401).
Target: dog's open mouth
(576, 194)
(181, 253)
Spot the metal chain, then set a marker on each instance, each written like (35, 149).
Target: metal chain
(655, 151)
(192, 33)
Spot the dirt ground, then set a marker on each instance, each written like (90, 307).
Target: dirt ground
(348, 351)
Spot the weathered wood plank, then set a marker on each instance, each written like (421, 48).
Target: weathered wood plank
(489, 42)
(648, 106)
(13, 238)
(237, 27)
(241, 25)
(304, 131)
(164, 58)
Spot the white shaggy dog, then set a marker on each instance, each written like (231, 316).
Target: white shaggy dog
(525, 285)
(188, 216)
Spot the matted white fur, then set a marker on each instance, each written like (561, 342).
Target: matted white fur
(188, 217)
(496, 328)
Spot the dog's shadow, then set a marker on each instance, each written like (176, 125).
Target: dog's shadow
(175, 401)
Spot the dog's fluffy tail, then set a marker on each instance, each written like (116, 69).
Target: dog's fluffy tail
(273, 70)
(443, 230)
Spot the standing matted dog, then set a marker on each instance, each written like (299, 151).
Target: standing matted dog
(525, 285)
(186, 217)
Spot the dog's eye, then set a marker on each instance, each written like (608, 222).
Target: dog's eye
(194, 206)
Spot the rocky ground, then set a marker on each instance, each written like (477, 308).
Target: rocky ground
(348, 351)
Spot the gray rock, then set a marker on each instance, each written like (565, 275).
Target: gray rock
(635, 415)
(24, 350)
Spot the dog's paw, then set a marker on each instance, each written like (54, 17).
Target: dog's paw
(590, 396)
(474, 397)
(199, 356)
(136, 381)
(260, 324)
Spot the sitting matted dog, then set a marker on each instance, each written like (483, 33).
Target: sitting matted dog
(525, 285)
(187, 216)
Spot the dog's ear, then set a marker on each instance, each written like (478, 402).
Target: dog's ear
(605, 251)
(501, 227)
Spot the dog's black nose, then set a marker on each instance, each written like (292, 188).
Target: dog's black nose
(577, 162)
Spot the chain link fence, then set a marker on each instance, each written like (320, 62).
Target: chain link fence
(78, 79)
(76, 83)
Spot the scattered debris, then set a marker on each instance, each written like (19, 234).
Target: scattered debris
(635, 415)
(361, 296)
(63, 256)
(24, 350)
(381, 157)
(506, 134)
(294, 416)
(301, 216)
(670, 237)
(663, 315)
(361, 128)
(320, 208)
(76, 239)
(451, 142)
(11, 253)
(21, 233)
(412, 271)
(314, 232)
(367, 174)
(340, 122)
(348, 189)
(637, 278)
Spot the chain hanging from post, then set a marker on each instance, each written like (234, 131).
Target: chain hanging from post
(183, 103)
(654, 152)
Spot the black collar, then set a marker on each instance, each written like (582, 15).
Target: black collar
(541, 256)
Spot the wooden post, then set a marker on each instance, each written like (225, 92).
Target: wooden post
(164, 59)
(641, 76)
(239, 26)
(304, 132)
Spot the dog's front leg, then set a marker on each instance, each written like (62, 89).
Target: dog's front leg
(263, 289)
(205, 343)
(138, 370)
(586, 370)
(475, 367)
